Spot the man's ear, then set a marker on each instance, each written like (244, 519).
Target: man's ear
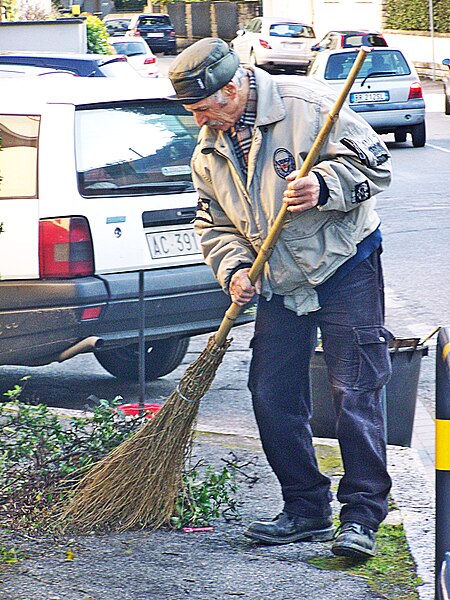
(230, 89)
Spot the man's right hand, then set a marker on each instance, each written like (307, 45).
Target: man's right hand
(240, 288)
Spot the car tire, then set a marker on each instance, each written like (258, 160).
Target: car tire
(418, 135)
(161, 357)
(447, 103)
(400, 135)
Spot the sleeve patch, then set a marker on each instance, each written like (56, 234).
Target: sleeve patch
(204, 211)
(369, 153)
(361, 192)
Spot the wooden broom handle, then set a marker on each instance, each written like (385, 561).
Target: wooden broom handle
(267, 248)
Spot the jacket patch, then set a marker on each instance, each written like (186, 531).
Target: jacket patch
(204, 211)
(365, 152)
(283, 162)
(361, 192)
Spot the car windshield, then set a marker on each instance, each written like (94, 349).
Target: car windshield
(291, 30)
(380, 63)
(353, 40)
(134, 148)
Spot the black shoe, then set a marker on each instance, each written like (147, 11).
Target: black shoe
(287, 528)
(354, 540)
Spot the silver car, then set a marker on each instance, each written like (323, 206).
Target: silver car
(275, 44)
(387, 91)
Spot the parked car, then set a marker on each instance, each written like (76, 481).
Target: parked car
(12, 70)
(116, 26)
(96, 190)
(84, 65)
(156, 29)
(138, 54)
(446, 61)
(275, 44)
(387, 91)
(349, 39)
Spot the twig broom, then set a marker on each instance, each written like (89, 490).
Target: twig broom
(136, 485)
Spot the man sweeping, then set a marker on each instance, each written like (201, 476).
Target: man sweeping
(324, 273)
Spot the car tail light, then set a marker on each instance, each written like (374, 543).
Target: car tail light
(65, 248)
(150, 61)
(265, 44)
(172, 34)
(137, 33)
(415, 91)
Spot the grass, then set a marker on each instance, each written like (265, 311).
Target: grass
(392, 571)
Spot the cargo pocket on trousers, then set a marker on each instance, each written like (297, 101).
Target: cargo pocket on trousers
(375, 366)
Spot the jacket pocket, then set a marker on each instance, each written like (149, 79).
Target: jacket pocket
(318, 250)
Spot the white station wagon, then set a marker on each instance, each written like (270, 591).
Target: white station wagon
(96, 212)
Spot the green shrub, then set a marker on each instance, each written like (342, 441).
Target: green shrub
(415, 15)
(97, 36)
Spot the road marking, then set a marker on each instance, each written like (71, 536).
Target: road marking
(438, 148)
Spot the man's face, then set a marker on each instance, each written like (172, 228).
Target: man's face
(220, 111)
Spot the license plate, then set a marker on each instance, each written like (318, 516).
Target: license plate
(155, 35)
(356, 97)
(169, 244)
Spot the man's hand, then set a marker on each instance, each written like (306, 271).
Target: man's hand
(301, 194)
(240, 288)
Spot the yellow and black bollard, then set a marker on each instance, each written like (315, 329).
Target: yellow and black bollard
(442, 461)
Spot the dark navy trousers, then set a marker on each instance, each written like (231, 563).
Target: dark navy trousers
(355, 345)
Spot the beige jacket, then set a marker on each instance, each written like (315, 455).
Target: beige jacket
(234, 216)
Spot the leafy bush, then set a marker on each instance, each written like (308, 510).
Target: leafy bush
(97, 36)
(415, 16)
(44, 455)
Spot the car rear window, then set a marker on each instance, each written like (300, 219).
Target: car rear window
(291, 30)
(18, 156)
(389, 63)
(134, 149)
(159, 20)
(354, 40)
(129, 48)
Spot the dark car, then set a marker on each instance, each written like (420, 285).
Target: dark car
(116, 26)
(83, 65)
(446, 61)
(157, 30)
(334, 40)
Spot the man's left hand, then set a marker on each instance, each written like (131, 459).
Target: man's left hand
(301, 194)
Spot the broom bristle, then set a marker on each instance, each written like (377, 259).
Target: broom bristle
(136, 485)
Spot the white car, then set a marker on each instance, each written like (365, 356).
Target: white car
(275, 44)
(387, 91)
(138, 54)
(96, 222)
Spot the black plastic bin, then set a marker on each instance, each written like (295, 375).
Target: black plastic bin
(401, 393)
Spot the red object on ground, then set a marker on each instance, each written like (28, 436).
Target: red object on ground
(133, 409)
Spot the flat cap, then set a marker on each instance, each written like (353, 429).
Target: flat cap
(202, 69)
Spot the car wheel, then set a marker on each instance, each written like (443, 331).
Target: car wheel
(161, 357)
(252, 59)
(400, 135)
(447, 104)
(418, 135)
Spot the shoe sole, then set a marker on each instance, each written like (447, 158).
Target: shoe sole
(352, 551)
(319, 535)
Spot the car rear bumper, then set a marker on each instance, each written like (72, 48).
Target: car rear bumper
(41, 319)
(392, 115)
